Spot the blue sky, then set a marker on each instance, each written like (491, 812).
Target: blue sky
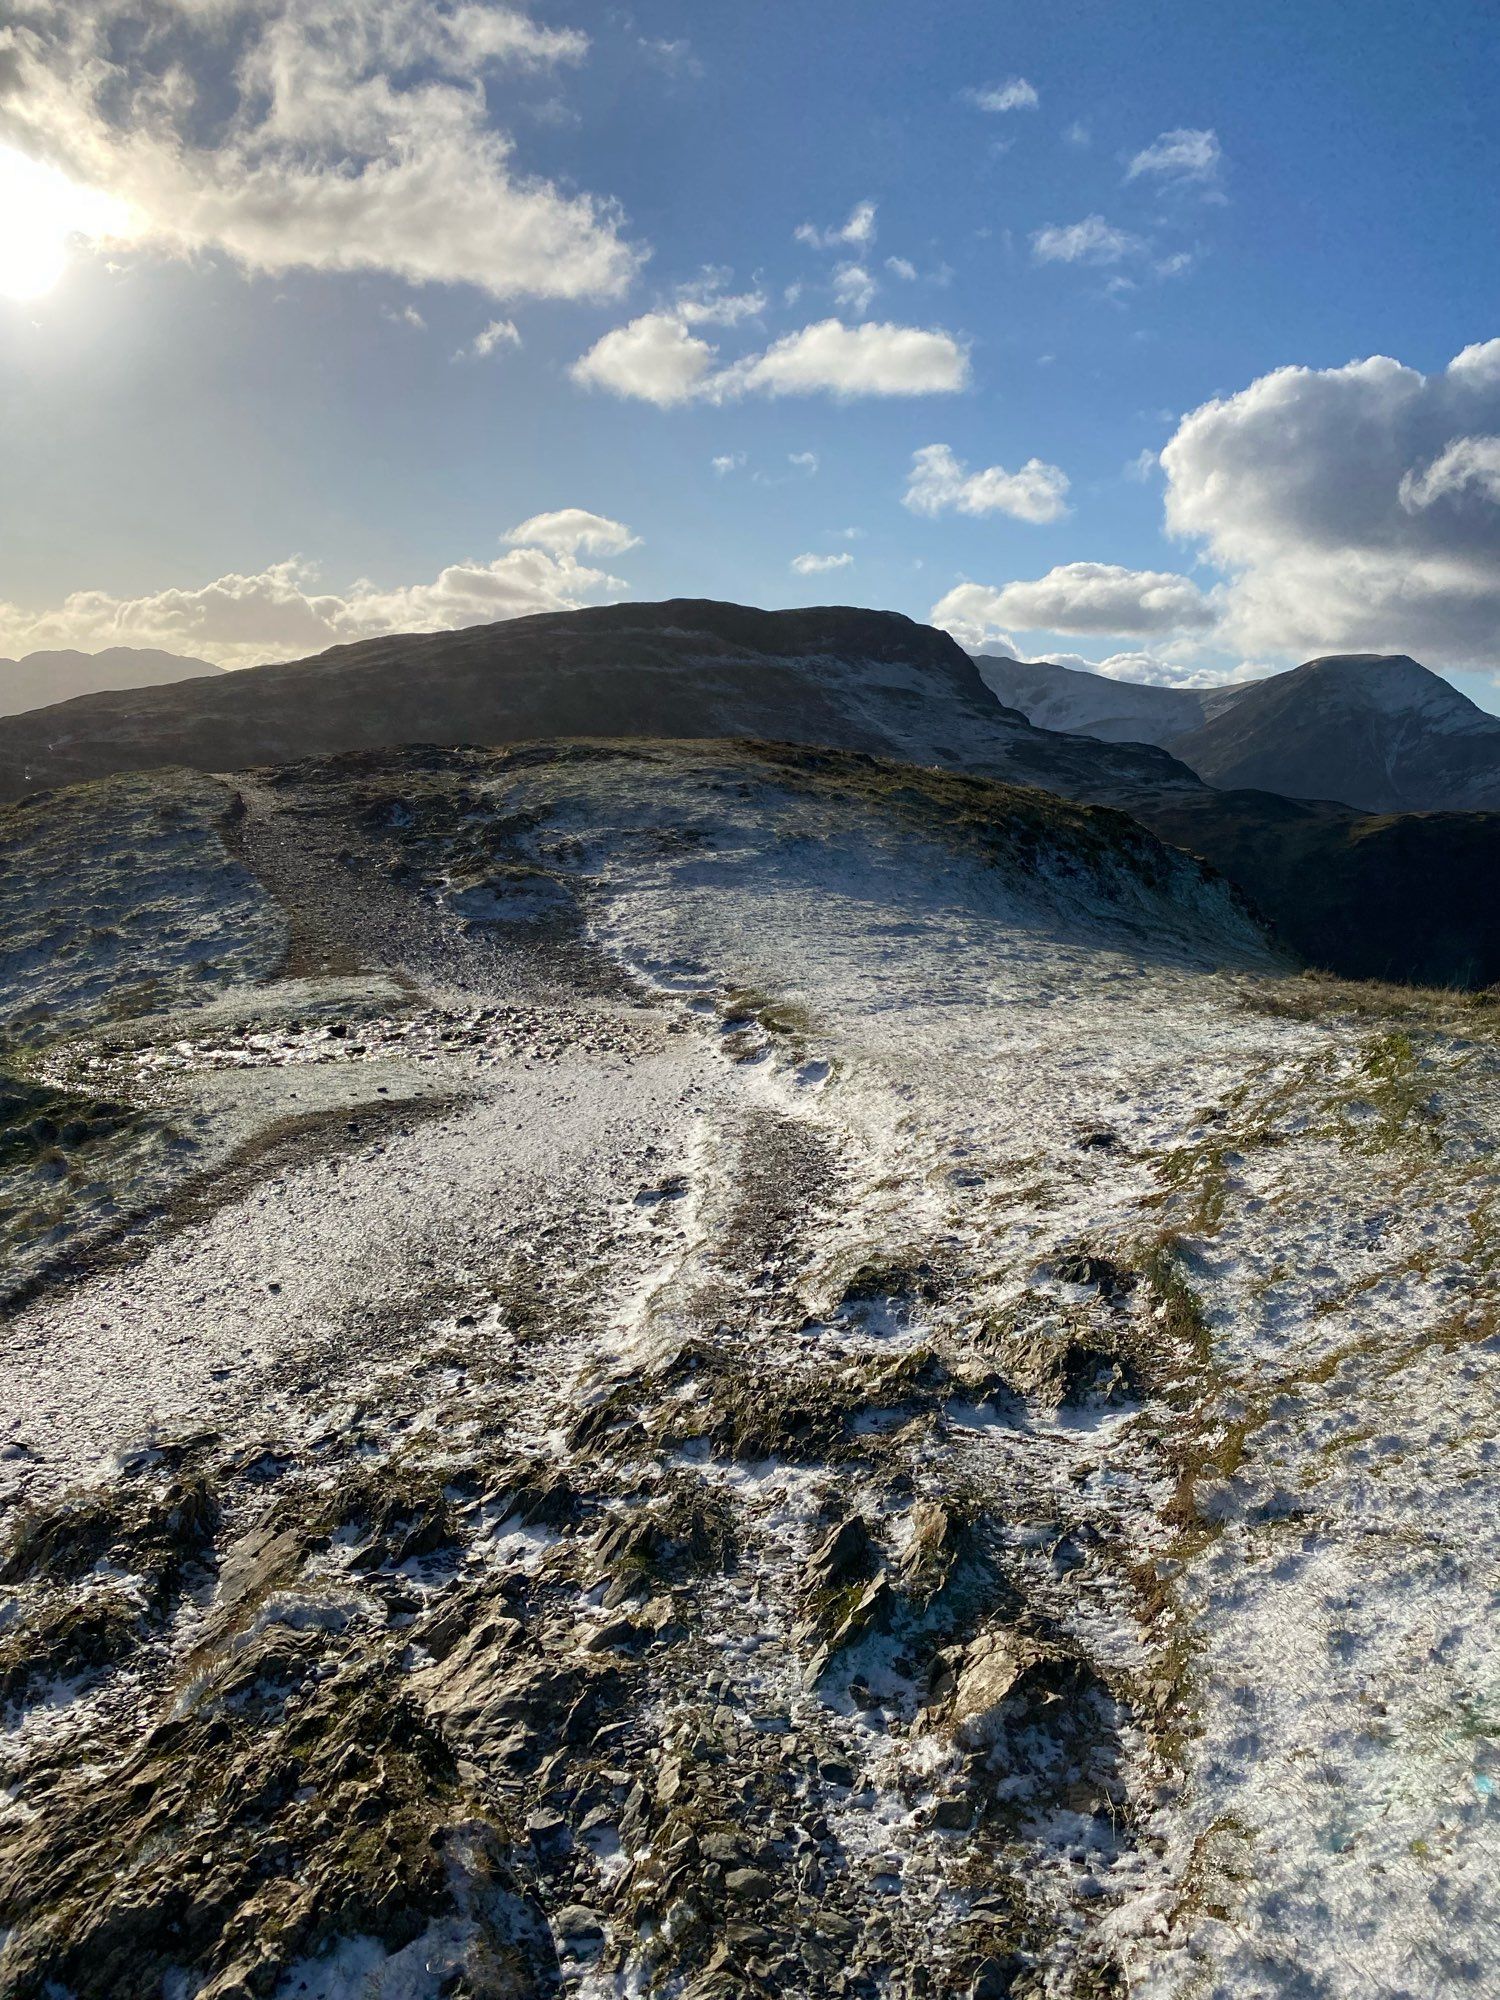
(1048, 237)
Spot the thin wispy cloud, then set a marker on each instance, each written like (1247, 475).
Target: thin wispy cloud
(857, 233)
(1015, 95)
(1092, 241)
(854, 288)
(489, 340)
(1182, 156)
(816, 565)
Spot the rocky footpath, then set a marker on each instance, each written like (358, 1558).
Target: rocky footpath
(717, 1369)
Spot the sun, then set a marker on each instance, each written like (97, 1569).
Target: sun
(42, 216)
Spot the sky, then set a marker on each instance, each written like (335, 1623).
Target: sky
(1161, 337)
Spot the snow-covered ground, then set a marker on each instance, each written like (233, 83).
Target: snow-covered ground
(978, 1383)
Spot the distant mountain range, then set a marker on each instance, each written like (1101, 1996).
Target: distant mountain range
(1371, 730)
(38, 679)
(1370, 897)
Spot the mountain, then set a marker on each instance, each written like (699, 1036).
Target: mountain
(854, 679)
(1085, 704)
(1372, 730)
(865, 681)
(38, 679)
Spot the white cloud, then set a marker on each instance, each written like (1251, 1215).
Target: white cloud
(1468, 470)
(902, 268)
(278, 614)
(336, 135)
(572, 529)
(1144, 466)
(499, 333)
(857, 233)
(1352, 509)
(726, 462)
(854, 288)
(876, 359)
(1078, 134)
(805, 461)
(407, 316)
(811, 565)
(1077, 597)
(1183, 155)
(705, 302)
(939, 483)
(1016, 95)
(1092, 241)
(656, 360)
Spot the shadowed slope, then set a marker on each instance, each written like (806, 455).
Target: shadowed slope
(858, 680)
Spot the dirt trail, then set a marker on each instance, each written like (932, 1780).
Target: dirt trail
(762, 1486)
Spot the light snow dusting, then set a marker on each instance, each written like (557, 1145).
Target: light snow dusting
(803, 1377)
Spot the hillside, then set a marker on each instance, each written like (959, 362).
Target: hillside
(860, 680)
(1376, 731)
(865, 681)
(39, 679)
(1400, 896)
(1085, 704)
(707, 1369)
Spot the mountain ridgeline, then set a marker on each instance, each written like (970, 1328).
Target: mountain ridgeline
(1366, 895)
(40, 679)
(1371, 730)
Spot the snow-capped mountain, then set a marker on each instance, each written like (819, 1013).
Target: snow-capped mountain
(1085, 704)
(1372, 730)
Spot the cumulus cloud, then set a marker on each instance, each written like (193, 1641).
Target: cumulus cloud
(571, 529)
(1351, 509)
(857, 233)
(1183, 155)
(876, 359)
(940, 484)
(1092, 241)
(805, 461)
(335, 135)
(727, 462)
(1016, 95)
(1077, 597)
(655, 359)
(812, 565)
(278, 613)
